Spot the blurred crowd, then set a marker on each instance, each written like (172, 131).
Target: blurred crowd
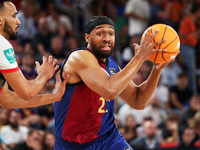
(56, 27)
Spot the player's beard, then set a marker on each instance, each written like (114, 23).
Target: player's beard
(7, 29)
(99, 53)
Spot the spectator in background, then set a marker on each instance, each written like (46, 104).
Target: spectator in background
(186, 118)
(1, 145)
(187, 140)
(33, 141)
(28, 50)
(46, 113)
(4, 114)
(48, 141)
(149, 140)
(160, 11)
(71, 45)
(117, 121)
(28, 67)
(80, 15)
(128, 131)
(196, 126)
(198, 82)
(42, 38)
(56, 49)
(27, 28)
(163, 94)
(64, 6)
(175, 14)
(180, 94)
(109, 10)
(54, 19)
(140, 128)
(121, 21)
(155, 111)
(138, 13)
(145, 69)
(13, 133)
(170, 129)
(64, 33)
(170, 74)
(188, 36)
(30, 117)
(128, 52)
(126, 110)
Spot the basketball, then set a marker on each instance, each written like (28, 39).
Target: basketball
(172, 43)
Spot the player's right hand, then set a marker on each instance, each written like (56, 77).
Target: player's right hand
(48, 67)
(60, 86)
(147, 48)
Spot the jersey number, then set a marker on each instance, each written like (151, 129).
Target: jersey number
(101, 110)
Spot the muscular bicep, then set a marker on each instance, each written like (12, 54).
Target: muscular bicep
(83, 66)
(94, 77)
(18, 82)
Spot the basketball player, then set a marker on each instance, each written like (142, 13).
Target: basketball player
(9, 70)
(84, 118)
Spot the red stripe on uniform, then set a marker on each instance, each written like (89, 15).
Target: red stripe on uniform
(83, 121)
(10, 70)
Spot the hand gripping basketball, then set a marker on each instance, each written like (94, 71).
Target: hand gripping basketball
(172, 43)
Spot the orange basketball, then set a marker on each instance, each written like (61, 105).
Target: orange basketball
(172, 43)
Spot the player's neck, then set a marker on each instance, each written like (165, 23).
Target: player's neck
(4, 35)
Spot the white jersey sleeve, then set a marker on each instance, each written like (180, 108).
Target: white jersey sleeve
(8, 61)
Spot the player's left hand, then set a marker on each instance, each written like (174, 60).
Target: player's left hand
(48, 67)
(60, 86)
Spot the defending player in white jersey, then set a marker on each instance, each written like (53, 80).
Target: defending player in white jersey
(10, 72)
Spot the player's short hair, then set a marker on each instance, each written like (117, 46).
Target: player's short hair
(2, 4)
(97, 20)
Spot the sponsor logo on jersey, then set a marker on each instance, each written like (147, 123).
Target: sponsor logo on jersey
(112, 71)
(127, 148)
(10, 55)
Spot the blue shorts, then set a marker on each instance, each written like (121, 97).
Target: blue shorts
(110, 141)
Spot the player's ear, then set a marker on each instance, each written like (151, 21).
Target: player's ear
(87, 37)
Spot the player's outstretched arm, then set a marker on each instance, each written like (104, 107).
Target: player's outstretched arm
(9, 99)
(26, 89)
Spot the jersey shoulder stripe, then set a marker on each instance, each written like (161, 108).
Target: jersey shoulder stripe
(7, 55)
(9, 70)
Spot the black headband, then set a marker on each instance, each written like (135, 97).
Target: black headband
(92, 24)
